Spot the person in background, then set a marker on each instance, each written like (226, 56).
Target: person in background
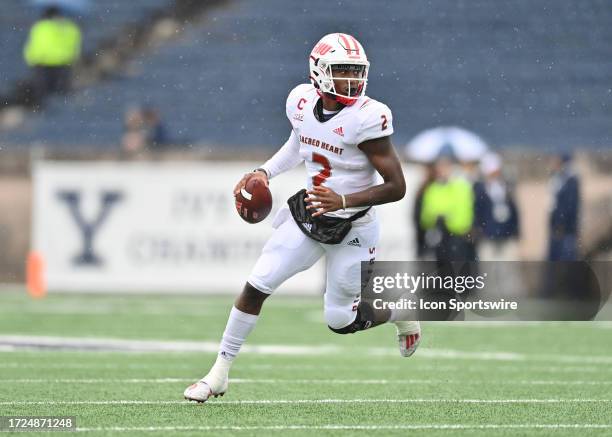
(496, 228)
(155, 131)
(134, 139)
(143, 131)
(423, 252)
(563, 280)
(52, 48)
(496, 220)
(447, 211)
(565, 212)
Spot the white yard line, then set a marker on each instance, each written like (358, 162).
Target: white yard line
(318, 401)
(601, 324)
(414, 366)
(99, 309)
(512, 356)
(122, 345)
(519, 367)
(124, 308)
(104, 307)
(441, 381)
(351, 427)
(503, 356)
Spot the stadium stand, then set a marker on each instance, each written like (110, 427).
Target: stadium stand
(15, 21)
(101, 21)
(520, 73)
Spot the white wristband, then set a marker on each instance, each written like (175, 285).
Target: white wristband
(343, 201)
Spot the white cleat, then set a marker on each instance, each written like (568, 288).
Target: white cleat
(213, 384)
(408, 336)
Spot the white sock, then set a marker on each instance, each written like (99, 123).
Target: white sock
(220, 370)
(399, 315)
(395, 315)
(239, 326)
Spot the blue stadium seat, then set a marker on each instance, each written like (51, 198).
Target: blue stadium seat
(520, 73)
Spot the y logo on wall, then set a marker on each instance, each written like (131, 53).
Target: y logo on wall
(89, 230)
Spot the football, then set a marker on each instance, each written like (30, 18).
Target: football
(254, 201)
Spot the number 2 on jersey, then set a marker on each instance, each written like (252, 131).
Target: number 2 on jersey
(323, 174)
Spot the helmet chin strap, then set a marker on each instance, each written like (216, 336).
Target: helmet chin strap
(344, 101)
(334, 97)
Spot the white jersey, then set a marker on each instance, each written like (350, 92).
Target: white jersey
(329, 148)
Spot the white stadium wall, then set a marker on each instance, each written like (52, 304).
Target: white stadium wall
(169, 227)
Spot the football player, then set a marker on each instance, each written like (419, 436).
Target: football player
(343, 137)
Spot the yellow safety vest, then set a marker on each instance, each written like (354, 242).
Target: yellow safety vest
(53, 43)
(453, 201)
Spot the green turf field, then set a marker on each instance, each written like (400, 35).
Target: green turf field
(477, 379)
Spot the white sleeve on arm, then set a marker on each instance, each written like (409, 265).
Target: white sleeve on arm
(376, 122)
(285, 159)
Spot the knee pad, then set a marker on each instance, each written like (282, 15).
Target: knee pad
(364, 320)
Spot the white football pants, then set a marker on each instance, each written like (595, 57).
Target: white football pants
(289, 251)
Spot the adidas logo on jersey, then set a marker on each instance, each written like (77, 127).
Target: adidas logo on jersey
(354, 242)
(339, 131)
(308, 226)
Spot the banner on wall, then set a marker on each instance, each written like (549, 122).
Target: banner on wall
(168, 227)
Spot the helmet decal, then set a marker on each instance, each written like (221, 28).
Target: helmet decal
(321, 49)
(351, 50)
